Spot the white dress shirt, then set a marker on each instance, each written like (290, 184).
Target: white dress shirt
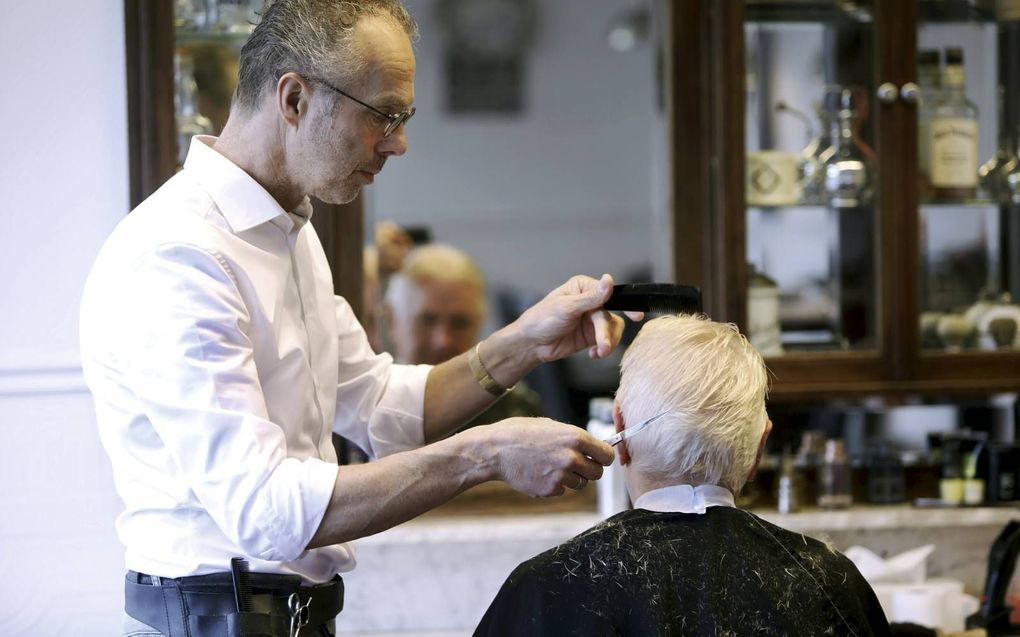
(220, 361)
(684, 498)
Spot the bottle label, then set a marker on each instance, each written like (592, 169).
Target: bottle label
(953, 146)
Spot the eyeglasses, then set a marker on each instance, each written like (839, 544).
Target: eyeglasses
(393, 120)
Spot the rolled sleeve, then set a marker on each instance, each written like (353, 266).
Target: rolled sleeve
(380, 405)
(195, 379)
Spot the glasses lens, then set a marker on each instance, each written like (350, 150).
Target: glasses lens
(397, 120)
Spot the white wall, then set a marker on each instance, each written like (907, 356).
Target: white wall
(567, 186)
(63, 186)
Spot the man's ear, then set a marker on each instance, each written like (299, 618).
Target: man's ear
(761, 449)
(621, 449)
(292, 98)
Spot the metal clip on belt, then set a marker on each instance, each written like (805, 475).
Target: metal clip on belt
(205, 605)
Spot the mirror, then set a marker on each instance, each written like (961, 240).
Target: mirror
(558, 168)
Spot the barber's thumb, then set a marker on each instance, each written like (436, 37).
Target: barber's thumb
(602, 291)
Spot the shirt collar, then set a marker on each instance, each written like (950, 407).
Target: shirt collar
(243, 202)
(684, 498)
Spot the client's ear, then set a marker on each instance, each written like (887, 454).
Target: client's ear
(621, 449)
(761, 449)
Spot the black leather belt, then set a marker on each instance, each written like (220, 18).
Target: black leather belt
(205, 605)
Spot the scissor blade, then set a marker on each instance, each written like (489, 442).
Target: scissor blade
(620, 436)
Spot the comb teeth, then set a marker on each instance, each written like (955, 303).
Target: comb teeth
(666, 298)
(242, 584)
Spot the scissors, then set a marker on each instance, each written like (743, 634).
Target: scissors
(629, 432)
(299, 613)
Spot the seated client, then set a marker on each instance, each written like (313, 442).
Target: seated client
(685, 560)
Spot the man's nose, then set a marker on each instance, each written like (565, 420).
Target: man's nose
(395, 144)
(442, 338)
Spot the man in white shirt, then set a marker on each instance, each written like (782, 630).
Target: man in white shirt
(690, 413)
(221, 362)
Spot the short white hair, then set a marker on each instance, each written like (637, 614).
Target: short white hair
(712, 385)
(434, 262)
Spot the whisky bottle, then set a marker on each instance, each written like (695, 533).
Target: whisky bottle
(954, 135)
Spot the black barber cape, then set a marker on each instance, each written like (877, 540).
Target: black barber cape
(724, 572)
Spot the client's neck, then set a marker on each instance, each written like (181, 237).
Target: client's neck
(640, 483)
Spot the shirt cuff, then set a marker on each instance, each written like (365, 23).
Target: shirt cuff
(398, 422)
(299, 491)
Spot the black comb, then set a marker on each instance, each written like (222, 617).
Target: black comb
(664, 298)
(242, 584)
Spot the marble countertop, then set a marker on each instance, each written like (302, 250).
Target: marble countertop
(557, 526)
(890, 517)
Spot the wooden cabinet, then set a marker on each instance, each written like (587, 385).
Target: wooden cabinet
(854, 279)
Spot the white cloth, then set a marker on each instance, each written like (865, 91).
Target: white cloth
(684, 498)
(220, 361)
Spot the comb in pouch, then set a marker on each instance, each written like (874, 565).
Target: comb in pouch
(242, 584)
(663, 298)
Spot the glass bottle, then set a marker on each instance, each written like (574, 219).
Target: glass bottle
(1011, 180)
(788, 487)
(992, 174)
(929, 78)
(954, 135)
(812, 167)
(848, 173)
(834, 484)
(190, 121)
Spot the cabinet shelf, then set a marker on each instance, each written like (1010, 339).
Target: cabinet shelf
(195, 38)
(976, 204)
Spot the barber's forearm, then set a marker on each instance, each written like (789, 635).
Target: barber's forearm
(453, 396)
(369, 498)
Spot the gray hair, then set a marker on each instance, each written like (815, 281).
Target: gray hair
(434, 262)
(308, 36)
(712, 385)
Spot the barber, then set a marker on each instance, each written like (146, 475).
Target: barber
(221, 362)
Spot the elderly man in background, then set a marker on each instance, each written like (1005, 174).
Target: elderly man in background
(435, 309)
(685, 561)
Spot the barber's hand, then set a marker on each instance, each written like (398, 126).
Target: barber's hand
(571, 318)
(542, 457)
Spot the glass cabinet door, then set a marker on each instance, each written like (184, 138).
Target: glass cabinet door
(969, 177)
(811, 178)
(208, 36)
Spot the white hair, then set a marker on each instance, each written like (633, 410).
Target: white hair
(712, 385)
(434, 262)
